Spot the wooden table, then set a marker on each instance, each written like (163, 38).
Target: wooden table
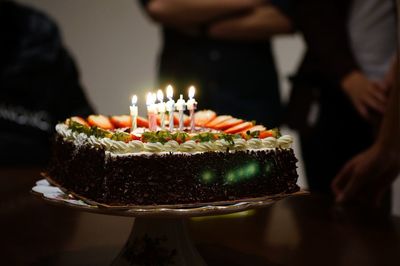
(297, 231)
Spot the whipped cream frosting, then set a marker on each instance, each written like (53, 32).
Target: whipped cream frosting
(136, 146)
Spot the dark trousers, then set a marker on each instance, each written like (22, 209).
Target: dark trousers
(338, 134)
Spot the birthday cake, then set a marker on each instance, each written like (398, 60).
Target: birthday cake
(102, 160)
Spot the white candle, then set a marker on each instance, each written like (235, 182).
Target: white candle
(161, 107)
(154, 111)
(180, 106)
(134, 113)
(191, 106)
(151, 111)
(170, 107)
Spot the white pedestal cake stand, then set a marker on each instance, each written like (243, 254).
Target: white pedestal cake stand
(159, 235)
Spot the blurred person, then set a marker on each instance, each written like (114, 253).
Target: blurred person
(338, 96)
(39, 84)
(369, 174)
(223, 48)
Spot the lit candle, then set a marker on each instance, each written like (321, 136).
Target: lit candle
(191, 106)
(154, 99)
(151, 111)
(161, 107)
(180, 106)
(170, 107)
(134, 113)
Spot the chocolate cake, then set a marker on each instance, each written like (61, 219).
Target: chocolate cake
(116, 168)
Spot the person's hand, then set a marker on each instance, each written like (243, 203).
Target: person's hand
(260, 23)
(367, 176)
(365, 95)
(185, 13)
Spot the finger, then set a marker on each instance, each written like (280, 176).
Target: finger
(342, 178)
(362, 110)
(374, 104)
(352, 187)
(380, 85)
(350, 191)
(378, 94)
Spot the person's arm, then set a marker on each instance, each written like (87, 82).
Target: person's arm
(184, 13)
(371, 172)
(260, 23)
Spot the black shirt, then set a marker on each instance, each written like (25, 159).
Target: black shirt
(233, 77)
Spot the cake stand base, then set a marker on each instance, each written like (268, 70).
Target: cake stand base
(159, 235)
(155, 241)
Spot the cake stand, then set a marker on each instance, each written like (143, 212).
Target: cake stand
(159, 235)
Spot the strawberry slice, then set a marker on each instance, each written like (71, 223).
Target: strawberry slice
(239, 128)
(142, 122)
(256, 128)
(201, 118)
(166, 118)
(176, 118)
(218, 120)
(186, 119)
(228, 123)
(159, 119)
(135, 137)
(120, 121)
(79, 120)
(265, 134)
(100, 121)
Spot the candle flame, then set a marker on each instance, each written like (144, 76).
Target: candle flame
(160, 95)
(149, 99)
(192, 90)
(170, 92)
(134, 100)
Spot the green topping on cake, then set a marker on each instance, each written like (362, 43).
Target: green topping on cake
(100, 133)
(205, 137)
(181, 137)
(149, 137)
(163, 136)
(276, 132)
(121, 136)
(90, 131)
(78, 127)
(228, 137)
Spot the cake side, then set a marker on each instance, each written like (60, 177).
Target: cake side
(171, 178)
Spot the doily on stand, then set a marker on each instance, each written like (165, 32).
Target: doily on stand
(159, 235)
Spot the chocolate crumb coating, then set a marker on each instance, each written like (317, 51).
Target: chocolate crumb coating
(171, 178)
